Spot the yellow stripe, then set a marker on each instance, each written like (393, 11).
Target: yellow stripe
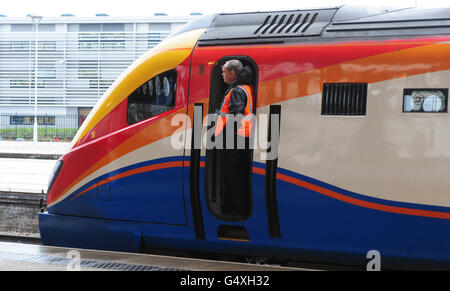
(165, 56)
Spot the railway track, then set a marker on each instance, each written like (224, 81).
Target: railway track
(17, 238)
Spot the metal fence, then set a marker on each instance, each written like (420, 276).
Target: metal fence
(50, 128)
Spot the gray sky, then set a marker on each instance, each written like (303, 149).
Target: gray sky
(48, 8)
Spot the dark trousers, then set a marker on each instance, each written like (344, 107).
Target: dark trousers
(235, 181)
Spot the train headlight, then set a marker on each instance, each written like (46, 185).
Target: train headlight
(55, 173)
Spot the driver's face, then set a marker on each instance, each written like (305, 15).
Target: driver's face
(228, 76)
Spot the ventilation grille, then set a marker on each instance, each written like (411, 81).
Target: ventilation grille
(266, 27)
(344, 99)
(287, 23)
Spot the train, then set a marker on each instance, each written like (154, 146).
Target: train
(350, 102)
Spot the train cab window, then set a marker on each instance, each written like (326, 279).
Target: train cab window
(152, 98)
(425, 100)
(228, 172)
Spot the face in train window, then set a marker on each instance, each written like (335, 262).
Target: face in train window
(425, 100)
(152, 98)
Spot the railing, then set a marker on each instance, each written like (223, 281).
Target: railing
(50, 128)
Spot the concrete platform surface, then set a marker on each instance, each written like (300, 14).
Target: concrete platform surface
(27, 257)
(32, 148)
(29, 149)
(25, 175)
(26, 166)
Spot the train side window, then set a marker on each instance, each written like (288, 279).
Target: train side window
(344, 99)
(425, 100)
(152, 98)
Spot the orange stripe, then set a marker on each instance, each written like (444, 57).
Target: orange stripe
(366, 204)
(354, 201)
(382, 67)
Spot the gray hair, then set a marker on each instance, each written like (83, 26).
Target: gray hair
(234, 65)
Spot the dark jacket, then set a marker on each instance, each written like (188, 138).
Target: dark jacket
(238, 98)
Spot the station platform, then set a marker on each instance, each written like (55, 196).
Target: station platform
(28, 257)
(26, 166)
(31, 150)
(25, 175)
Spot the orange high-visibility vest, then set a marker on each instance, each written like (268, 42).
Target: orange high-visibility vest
(245, 129)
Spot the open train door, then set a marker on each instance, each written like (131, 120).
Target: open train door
(253, 213)
(228, 167)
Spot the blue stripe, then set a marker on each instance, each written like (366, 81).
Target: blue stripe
(281, 171)
(125, 169)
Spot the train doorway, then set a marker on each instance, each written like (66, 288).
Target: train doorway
(228, 169)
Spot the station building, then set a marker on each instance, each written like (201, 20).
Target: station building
(78, 59)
